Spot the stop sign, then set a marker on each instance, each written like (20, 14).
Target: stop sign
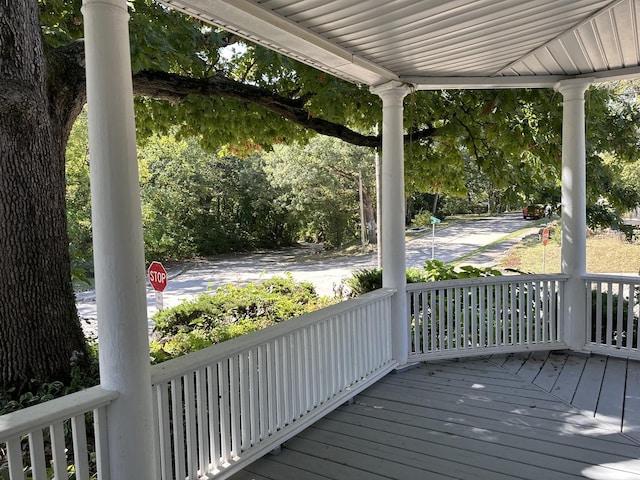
(157, 276)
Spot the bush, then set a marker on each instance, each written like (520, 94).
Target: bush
(451, 205)
(601, 216)
(367, 280)
(191, 341)
(363, 281)
(436, 270)
(422, 219)
(601, 336)
(228, 312)
(272, 300)
(85, 373)
(631, 233)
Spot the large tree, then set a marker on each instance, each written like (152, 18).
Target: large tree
(320, 185)
(251, 97)
(39, 328)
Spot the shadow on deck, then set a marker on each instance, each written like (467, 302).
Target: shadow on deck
(532, 416)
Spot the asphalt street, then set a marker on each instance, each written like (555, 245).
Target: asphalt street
(198, 276)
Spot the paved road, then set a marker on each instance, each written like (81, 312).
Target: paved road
(195, 277)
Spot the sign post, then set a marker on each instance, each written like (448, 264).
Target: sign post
(434, 220)
(545, 240)
(158, 280)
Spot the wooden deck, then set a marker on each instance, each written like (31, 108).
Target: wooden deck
(537, 416)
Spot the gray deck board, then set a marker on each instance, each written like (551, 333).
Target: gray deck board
(511, 424)
(569, 378)
(428, 456)
(528, 416)
(611, 399)
(282, 469)
(631, 421)
(357, 464)
(532, 366)
(550, 371)
(588, 391)
(528, 446)
(247, 475)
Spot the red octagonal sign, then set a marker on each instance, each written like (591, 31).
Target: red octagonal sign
(157, 276)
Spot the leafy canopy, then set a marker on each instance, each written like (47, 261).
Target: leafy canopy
(513, 136)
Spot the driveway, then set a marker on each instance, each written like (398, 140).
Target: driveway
(451, 243)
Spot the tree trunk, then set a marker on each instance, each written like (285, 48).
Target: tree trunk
(369, 215)
(40, 329)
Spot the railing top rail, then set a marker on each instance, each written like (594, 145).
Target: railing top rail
(178, 366)
(39, 416)
(612, 277)
(464, 282)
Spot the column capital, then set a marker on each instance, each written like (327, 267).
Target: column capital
(113, 3)
(392, 90)
(119, 6)
(573, 88)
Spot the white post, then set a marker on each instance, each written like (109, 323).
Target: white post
(392, 242)
(574, 216)
(117, 240)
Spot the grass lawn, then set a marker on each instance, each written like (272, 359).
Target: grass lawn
(605, 254)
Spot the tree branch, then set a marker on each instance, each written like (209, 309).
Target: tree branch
(175, 88)
(66, 84)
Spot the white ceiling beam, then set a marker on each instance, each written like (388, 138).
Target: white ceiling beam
(479, 83)
(603, 76)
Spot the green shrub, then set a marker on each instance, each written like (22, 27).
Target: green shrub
(616, 330)
(363, 281)
(437, 271)
(185, 342)
(41, 393)
(272, 300)
(367, 280)
(423, 218)
(228, 312)
(416, 275)
(85, 373)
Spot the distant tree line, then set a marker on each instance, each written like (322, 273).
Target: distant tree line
(197, 203)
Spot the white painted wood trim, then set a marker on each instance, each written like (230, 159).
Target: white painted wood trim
(280, 400)
(40, 416)
(177, 367)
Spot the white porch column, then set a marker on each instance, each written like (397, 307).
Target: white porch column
(574, 219)
(392, 240)
(117, 240)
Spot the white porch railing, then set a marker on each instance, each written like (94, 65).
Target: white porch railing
(487, 315)
(219, 409)
(223, 407)
(36, 442)
(613, 309)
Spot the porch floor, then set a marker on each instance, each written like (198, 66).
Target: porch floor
(533, 416)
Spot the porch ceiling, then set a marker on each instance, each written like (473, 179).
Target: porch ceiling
(441, 43)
